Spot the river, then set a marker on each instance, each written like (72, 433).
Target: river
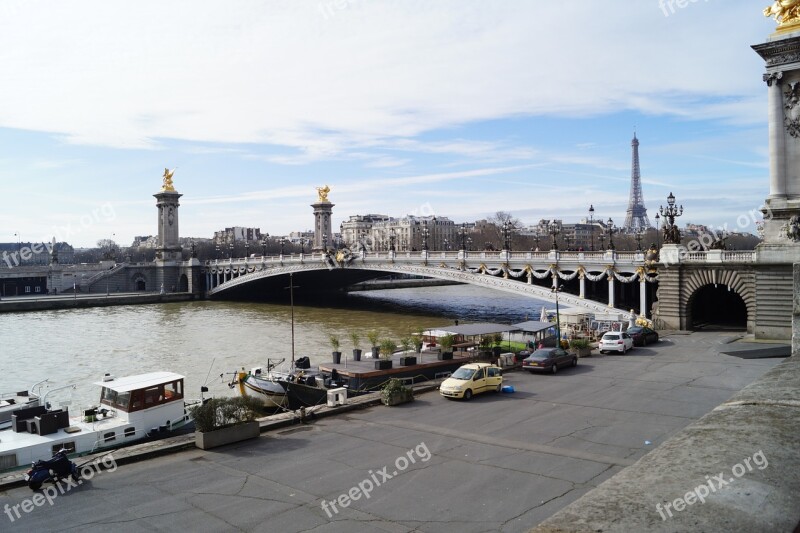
(202, 340)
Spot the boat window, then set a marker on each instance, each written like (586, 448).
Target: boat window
(172, 391)
(69, 446)
(152, 396)
(130, 431)
(123, 400)
(108, 437)
(137, 398)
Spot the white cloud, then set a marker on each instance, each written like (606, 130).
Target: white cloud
(285, 73)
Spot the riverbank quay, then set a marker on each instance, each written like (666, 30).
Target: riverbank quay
(735, 469)
(501, 462)
(81, 301)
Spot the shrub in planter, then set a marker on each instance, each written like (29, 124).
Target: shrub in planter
(220, 421)
(497, 340)
(394, 393)
(373, 338)
(446, 342)
(416, 340)
(337, 355)
(355, 338)
(408, 360)
(387, 348)
(581, 347)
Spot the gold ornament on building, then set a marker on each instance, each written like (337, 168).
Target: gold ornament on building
(323, 193)
(785, 12)
(167, 186)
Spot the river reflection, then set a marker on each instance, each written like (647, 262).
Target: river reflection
(205, 339)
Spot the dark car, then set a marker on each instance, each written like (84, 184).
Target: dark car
(549, 360)
(642, 336)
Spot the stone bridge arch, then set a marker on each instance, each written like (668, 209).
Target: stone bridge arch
(697, 283)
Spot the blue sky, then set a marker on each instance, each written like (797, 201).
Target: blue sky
(456, 107)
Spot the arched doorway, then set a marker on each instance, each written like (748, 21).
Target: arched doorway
(183, 284)
(717, 307)
(139, 283)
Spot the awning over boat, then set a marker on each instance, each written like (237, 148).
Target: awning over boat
(479, 328)
(141, 381)
(533, 326)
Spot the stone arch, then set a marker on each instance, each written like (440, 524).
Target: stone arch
(139, 282)
(700, 279)
(183, 283)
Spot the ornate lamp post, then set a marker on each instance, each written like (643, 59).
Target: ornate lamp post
(671, 233)
(602, 239)
(392, 237)
(469, 243)
(325, 242)
(658, 230)
(611, 230)
(536, 238)
(217, 248)
(568, 241)
(591, 225)
(282, 242)
(638, 237)
(506, 233)
(231, 248)
(554, 231)
(462, 232)
(425, 234)
(246, 249)
(557, 290)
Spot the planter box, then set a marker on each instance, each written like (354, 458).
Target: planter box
(442, 356)
(582, 352)
(408, 361)
(383, 364)
(398, 397)
(356, 355)
(229, 435)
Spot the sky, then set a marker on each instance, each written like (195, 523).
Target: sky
(458, 108)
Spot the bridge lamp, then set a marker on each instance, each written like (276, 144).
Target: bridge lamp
(554, 231)
(325, 242)
(610, 233)
(392, 237)
(231, 247)
(557, 290)
(247, 248)
(425, 233)
(658, 230)
(282, 242)
(591, 225)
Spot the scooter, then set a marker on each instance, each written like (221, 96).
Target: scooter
(59, 467)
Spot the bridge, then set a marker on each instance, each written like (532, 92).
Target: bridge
(533, 274)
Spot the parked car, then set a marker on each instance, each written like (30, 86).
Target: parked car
(614, 341)
(549, 360)
(642, 336)
(472, 379)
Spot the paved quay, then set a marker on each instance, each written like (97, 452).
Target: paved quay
(502, 462)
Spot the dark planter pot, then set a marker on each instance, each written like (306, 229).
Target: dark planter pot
(376, 352)
(408, 361)
(383, 364)
(356, 355)
(443, 356)
(221, 437)
(337, 358)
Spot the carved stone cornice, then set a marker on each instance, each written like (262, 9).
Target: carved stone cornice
(780, 52)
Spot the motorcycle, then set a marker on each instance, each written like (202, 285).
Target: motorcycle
(58, 467)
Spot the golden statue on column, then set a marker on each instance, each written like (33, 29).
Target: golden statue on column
(323, 193)
(167, 185)
(785, 12)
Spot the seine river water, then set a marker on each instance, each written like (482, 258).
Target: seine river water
(202, 340)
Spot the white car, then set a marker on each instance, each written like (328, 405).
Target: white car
(614, 341)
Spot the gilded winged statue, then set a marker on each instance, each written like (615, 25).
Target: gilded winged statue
(167, 185)
(323, 193)
(784, 11)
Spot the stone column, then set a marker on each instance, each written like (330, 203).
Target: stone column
(323, 211)
(643, 298)
(555, 281)
(777, 136)
(168, 247)
(582, 278)
(611, 290)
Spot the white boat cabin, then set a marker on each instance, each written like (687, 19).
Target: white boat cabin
(131, 408)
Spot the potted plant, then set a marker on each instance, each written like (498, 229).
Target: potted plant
(395, 393)
(407, 360)
(337, 355)
(484, 345)
(581, 347)
(355, 338)
(497, 340)
(373, 338)
(446, 342)
(387, 348)
(416, 340)
(220, 421)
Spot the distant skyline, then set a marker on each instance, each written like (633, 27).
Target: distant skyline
(457, 108)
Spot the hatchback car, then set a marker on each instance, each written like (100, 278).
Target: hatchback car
(472, 379)
(642, 336)
(614, 341)
(549, 360)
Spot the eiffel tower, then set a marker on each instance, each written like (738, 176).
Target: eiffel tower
(636, 217)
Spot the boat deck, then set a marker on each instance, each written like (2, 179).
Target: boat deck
(426, 368)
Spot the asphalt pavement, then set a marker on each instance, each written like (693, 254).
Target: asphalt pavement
(501, 462)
